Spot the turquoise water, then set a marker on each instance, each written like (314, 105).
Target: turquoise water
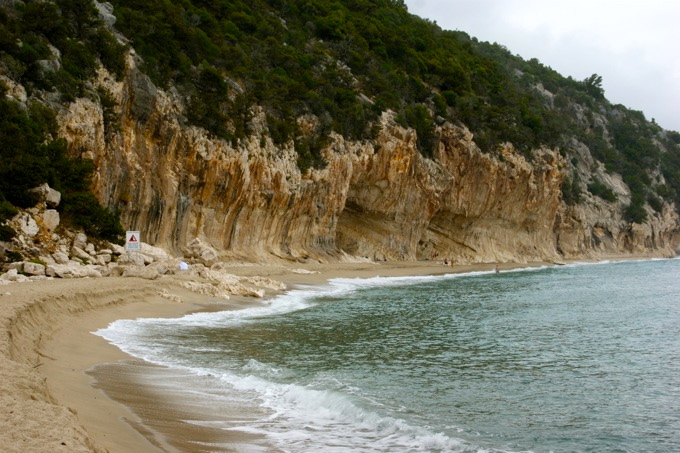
(563, 359)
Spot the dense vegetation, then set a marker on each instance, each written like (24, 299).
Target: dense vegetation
(28, 159)
(30, 153)
(344, 62)
(622, 139)
(56, 46)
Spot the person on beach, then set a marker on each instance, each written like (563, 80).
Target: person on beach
(497, 270)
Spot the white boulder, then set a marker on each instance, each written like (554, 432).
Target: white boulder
(141, 272)
(60, 257)
(50, 219)
(80, 241)
(13, 276)
(117, 249)
(53, 198)
(134, 258)
(33, 268)
(202, 252)
(72, 270)
(77, 252)
(28, 225)
(103, 259)
(155, 253)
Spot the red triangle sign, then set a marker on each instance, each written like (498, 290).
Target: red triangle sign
(133, 238)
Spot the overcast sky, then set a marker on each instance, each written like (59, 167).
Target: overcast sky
(633, 44)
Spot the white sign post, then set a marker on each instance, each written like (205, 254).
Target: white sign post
(133, 241)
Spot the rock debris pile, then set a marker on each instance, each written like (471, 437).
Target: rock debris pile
(44, 249)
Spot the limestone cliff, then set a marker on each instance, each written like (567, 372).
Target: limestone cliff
(379, 199)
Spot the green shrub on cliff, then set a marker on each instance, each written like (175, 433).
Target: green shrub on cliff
(418, 117)
(83, 210)
(599, 189)
(72, 27)
(7, 211)
(28, 158)
(635, 212)
(571, 191)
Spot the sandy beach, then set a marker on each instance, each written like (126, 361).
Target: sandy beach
(66, 390)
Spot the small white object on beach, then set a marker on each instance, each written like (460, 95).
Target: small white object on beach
(183, 266)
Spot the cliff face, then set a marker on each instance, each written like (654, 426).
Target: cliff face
(464, 205)
(379, 199)
(593, 230)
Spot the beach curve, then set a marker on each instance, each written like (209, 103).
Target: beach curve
(46, 347)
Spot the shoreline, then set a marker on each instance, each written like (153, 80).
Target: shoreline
(82, 360)
(74, 351)
(49, 344)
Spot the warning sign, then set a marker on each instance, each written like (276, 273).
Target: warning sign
(133, 241)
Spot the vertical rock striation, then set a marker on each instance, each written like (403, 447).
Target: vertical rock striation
(379, 199)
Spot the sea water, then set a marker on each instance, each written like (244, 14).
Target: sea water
(561, 359)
